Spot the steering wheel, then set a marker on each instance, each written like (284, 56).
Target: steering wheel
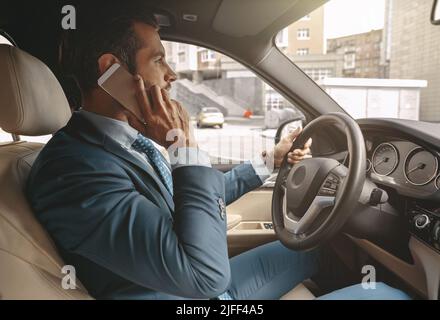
(313, 199)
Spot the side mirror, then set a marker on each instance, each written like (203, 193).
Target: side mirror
(435, 14)
(287, 127)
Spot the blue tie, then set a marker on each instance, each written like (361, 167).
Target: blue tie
(145, 146)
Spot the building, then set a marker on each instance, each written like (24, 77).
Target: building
(304, 37)
(414, 51)
(361, 52)
(320, 66)
(383, 98)
(303, 43)
(385, 54)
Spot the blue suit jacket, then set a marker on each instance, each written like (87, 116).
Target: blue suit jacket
(113, 220)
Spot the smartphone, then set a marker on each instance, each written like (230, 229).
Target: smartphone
(119, 83)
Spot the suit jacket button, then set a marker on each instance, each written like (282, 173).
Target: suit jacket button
(222, 207)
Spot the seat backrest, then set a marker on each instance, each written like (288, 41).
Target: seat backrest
(31, 103)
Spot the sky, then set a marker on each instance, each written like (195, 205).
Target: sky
(345, 17)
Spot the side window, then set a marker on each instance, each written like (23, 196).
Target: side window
(5, 136)
(235, 114)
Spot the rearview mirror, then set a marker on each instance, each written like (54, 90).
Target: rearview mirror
(435, 15)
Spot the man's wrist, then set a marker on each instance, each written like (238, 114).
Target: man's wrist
(268, 159)
(259, 163)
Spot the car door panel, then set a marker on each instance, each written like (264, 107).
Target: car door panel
(251, 216)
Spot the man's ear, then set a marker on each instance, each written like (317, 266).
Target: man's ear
(106, 61)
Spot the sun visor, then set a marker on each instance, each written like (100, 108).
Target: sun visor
(249, 17)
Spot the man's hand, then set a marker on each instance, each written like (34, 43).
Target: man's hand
(284, 146)
(161, 115)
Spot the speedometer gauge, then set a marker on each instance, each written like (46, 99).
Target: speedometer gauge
(420, 166)
(437, 182)
(385, 159)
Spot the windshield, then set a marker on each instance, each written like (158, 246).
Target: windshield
(375, 58)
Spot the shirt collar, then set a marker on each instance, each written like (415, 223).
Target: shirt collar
(118, 130)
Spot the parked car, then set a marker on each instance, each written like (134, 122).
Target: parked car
(210, 117)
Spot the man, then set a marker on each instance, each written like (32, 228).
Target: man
(131, 225)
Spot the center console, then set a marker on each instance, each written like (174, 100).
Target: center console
(424, 222)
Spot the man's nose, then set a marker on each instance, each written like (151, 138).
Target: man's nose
(170, 75)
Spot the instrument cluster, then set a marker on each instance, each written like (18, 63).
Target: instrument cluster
(404, 165)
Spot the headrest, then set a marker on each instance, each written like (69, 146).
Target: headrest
(32, 101)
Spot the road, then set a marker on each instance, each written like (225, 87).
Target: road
(239, 139)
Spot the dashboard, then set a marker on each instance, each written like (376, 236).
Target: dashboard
(411, 169)
(403, 160)
(404, 155)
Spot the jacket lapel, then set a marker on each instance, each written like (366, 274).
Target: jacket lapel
(81, 127)
(113, 147)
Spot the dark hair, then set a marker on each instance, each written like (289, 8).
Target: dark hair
(102, 29)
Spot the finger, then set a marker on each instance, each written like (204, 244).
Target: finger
(156, 98)
(134, 122)
(183, 113)
(172, 106)
(308, 144)
(167, 99)
(296, 159)
(142, 97)
(303, 151)
(299, 152)
(185, 120)
(293, 161)
(294, 156)
(306, 151)
(291, 136)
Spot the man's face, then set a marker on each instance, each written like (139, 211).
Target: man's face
(150, 59)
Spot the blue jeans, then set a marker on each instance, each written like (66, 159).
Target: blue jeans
(271, 270)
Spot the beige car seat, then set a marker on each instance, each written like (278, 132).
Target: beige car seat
(32, 103)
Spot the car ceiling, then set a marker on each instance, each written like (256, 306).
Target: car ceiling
(229, 26)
